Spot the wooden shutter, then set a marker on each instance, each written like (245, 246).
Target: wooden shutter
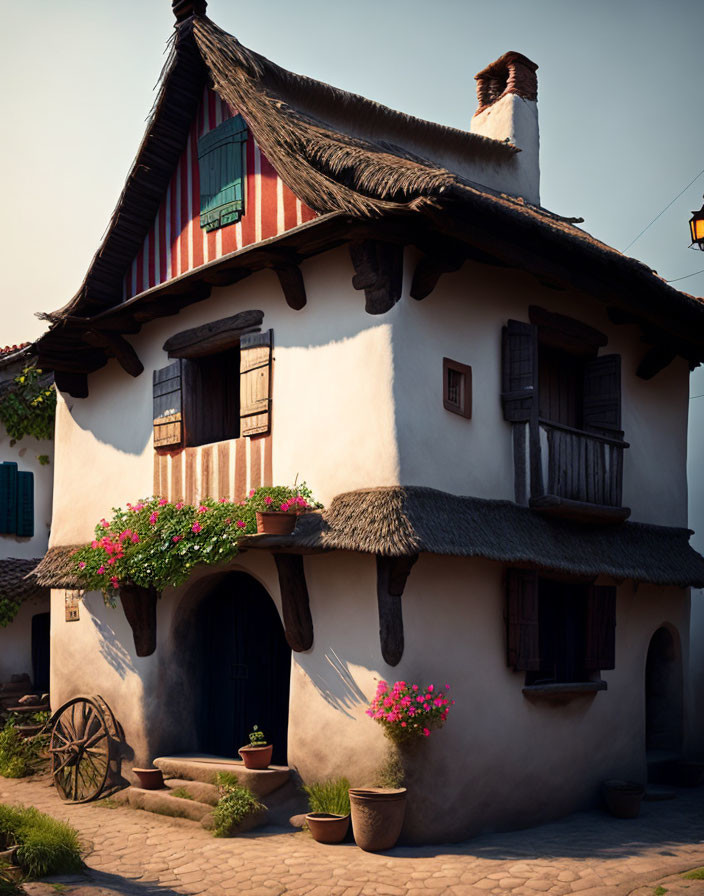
(168, 406)
(8, 498)
(519, 370)
(522, 619)
(25, 504)
(601, 628)
(255, 383)
(602, 395)
(221, 163)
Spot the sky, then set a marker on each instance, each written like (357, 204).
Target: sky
(619, 98)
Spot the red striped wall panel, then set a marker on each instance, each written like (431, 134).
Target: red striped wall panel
(176, 244)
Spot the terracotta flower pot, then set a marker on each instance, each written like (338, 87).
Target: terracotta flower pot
(326, 828)
(149, 778)
(256, 757)
(275, 522)
(623, 798)
(377, 816)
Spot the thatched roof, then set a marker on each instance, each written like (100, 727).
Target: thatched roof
(16, 578)
(349, 157)
(399, 521)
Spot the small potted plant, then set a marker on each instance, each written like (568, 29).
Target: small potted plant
(329, 817)
(277, 507)
(256, 754)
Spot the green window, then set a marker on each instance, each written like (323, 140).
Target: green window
(16, 501)
(222, 165)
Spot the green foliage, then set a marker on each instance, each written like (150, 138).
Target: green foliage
(46, 846)
(8, 886)
(19, 756)
(235, 804)
(181, 793)
(43, 459)
(226, 779)
(694, 874)
(9, 607)
(391, 773)
(28, 408)
(660, 891)
(272, 497)
(257, 738)
(329, 796)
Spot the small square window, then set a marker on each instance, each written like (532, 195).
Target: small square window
(457, 387)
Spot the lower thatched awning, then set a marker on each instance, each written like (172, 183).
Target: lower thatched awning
(400, 521)
(16, 578)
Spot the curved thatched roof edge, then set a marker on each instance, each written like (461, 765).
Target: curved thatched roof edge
(398, 521)
(17, 578)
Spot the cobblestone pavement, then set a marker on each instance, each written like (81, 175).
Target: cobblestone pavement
(139, 854)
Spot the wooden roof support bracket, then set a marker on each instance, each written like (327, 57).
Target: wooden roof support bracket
(117, 346)
(430, 268)
(378, 270)
(213, 337)
(298, 623)
(75, 384)
(291, 280)
(391, 576)
(139, 605)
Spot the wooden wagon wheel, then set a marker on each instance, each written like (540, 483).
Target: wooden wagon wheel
(83, 742)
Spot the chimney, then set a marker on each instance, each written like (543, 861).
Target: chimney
(507, 97)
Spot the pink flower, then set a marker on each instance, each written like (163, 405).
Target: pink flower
(403, 724)
(111, 561)
(426, 732)
(94, 544)
(154, 517)
(125, 534)
(135, 538)
(114, 582)
(105, 524)
(179, 506)
(223, 501)
(202, 509)
(285, 507)
(415, 687)
(241, 524)
(430, 688)
(267, 500)
(177, 538)
(196, 527)
(101, 570)
(447, 687)
(251, 492)
(81, 565)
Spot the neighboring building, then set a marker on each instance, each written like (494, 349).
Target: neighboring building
(498, 353)
(26, 473)
(695, 477)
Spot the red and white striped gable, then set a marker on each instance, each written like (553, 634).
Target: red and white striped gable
(177, 244)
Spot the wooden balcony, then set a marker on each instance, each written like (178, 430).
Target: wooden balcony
(575, 474)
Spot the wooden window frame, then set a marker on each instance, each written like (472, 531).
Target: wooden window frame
(464, 406)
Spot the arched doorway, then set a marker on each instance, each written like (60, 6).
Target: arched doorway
(663, 694)
(245, 666)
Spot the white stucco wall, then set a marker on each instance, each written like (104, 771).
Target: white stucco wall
(25, 454)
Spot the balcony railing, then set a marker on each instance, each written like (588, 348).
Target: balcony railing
(575, 474)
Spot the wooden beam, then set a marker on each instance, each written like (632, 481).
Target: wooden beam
(655, 360)
(429, 270)
(566, 333)
(291, 280)
(76, 384)
(118, 347)
(391, 576)
(298, 624)
(139, 605)
(216, 336)
(379, 272)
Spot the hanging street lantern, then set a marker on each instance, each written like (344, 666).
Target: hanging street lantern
(696, 227)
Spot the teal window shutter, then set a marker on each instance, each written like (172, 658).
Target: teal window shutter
(222, 167)
(25, 504)
(8, 498)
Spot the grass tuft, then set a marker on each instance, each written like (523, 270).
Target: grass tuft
(181, 793)
(46, 846)
(694, 874)
(235, 804)
(329, 796)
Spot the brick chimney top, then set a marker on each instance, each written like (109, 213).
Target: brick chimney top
(184, 9)
(511, 73)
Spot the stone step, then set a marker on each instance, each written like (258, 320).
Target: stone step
(204, 767)
(163, 803)
(198, 790)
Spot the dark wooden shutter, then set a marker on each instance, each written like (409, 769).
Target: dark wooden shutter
(523, 643)
(25, 504)
(519, 370)
(601, 628)
(168, 406)
(221, 164)
(8, 498)
(255, 383)
(602, 395)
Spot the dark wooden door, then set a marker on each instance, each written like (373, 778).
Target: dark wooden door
(246, 665)
(40, 651)
(560, 387)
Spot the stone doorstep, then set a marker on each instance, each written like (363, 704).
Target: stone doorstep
(204, 768)
(199, 791)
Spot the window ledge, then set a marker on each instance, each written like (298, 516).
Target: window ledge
(563, 691)
(579, 511)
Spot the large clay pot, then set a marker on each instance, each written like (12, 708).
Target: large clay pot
(623, 798)
(256, 757)
(275, 522)
(149, 778)
(326, 828)
(377, 816)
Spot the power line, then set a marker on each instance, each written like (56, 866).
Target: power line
(685, 276)
(663, 211)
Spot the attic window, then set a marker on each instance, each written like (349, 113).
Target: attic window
(222, 163)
